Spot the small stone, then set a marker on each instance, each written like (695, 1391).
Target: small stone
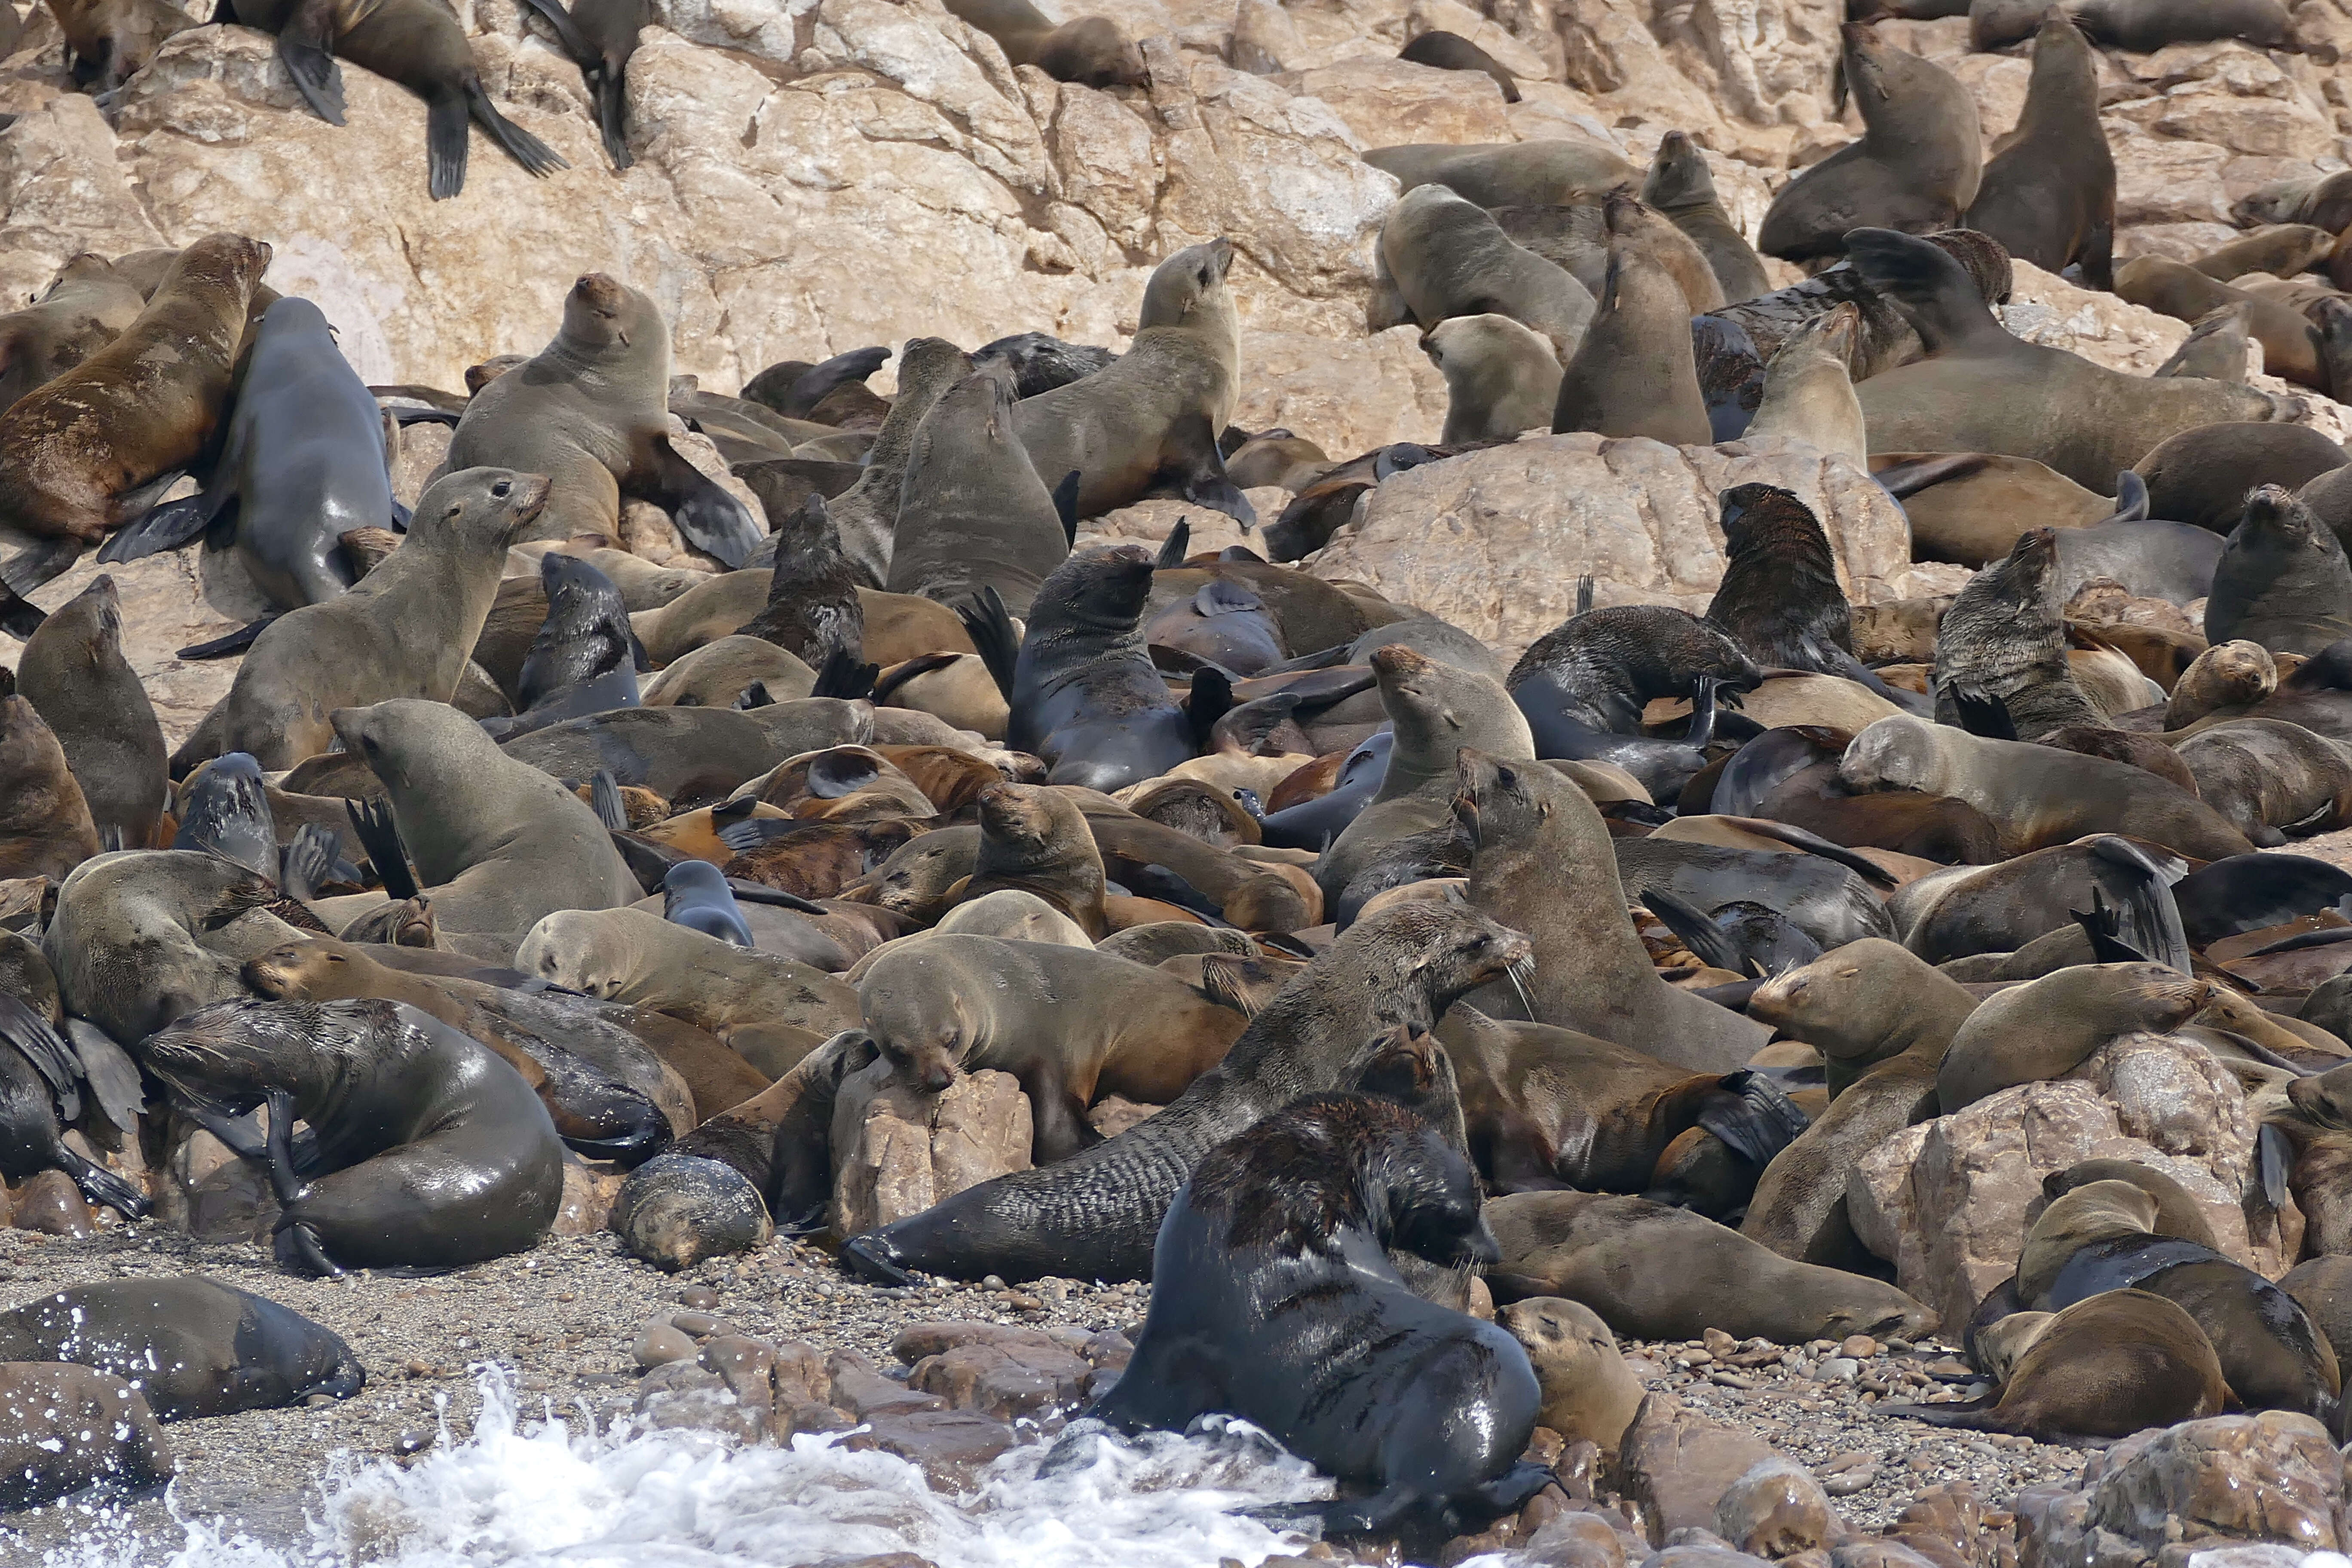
(413, 1440)
(660, 1345)
(1860, 1347)
(1845, 1483)
(701, 1325)
(701, 1298)
(1020, 1303)
(1732, 1380)
(993, 1282)
(1838, 1369)
(1718, 1342)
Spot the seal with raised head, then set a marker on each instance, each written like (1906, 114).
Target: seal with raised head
(1155, 412)
(1809, 388)
(1780, 597)
(1035, 839)
(2284, 580)
(1094, 1216)
(192, 1345)
(867, 511)
(1448, 257)
(1589, 1393)
(1917, 167)
(87, 451)
(1085, 694)
(2004, 641)
(584, 659)
(590, 412)
(416, 44)
(425, 1149)
(74, 672)
(1680, 186)
(405, 630)
(2049, 193)
(973, 512)
(1276, 1303)
(1501, 377)
(85, 308)
(2047, 1027)
(1634, 371)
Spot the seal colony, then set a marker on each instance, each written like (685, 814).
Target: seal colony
(809, 812)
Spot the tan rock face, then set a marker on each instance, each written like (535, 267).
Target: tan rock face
(2202, 1485)
(909, 1151)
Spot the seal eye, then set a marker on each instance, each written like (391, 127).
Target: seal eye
(501, 488)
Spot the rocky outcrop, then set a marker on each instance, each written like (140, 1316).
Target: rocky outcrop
(1948, 1201)
(910, 1151)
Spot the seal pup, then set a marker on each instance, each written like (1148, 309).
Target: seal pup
(45, 823)
(425, 1149)
(973, 512)
(585, 657)
(85, 308)
(1541, 856)
(1780, 597)
(2283, 581)
(191, 1346)
(1453, 52)
(403, 631)
(600, 36)
(1096, 1214)
(1680, 186)
(2049, 193)
(1085, 696)
(590, 412)
(1917, 167)
(1583, 684)
(1589, 1394)
(1501, 378)
(87, 451)
(1276, 1303)
(415, 44)
(64, 1427)
(1809, 388)
(74, 673)
(2047, 1027)
(301, 464)
(1983, 389)
(2003, 641)
(1633, 373)
(1602, 1251)
(812, 610)
(1092, 51)
(1037, 840)
(2109, 1366)
(1448, 257)
(1154, 413)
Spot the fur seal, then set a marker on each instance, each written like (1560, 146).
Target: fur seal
(1276, 1303)
(73, 671)
(1544, 173)
(1779, 598)
(1983, 389)
(1095, 1215)
(2219, 347)
(1542, 856)
(973, 512)
(2283, 581)
(812, 610)
(2281, 249)
(425, 1149)
(68, 1427)
(1451, 51)
(1680, 186)
(87, 451)
(2047, 1027)
(1448, 257)
(403, 631)
(1809, 388)
(1501, 378)
(2003, 641)
(191, 1346)
(2036, 795)
(1154, 413)
(2264, 775)
(45, 823)
(418, 46)
(2315, 1123)
(1085, 694)
(109, 41)
(1602, 1251)
(1092, 51)
(601, 36)
(590, 411)
(1035, 840)
(85, 308)
(301, 464)
(2291, 345)
(584, 659)
(2144, 27)
(167, 918)
(2203, 476)
(867, 513)
(2049, 193)
(1583, 686)
(1917, 167)
(2109, 1366)
(1589, 1394)
(1577, 240)
(2177, 1212)
(1634, 374)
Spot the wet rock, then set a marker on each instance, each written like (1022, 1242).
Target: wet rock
(676, 1210)
(1677, 1466)
(49, 1202)
(685, 1393)
(658, 1344)
(1775, 1509)
(1943, 1524)
(1575, 1539)
(865, 1394)
(950, 1447)
(1004, 1380)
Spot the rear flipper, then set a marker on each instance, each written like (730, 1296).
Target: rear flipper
(535, 155)
(306, 47)
(567, 33)
(605, 795)
(611, 90)
(843, 676)
(237, 641)
(297, 1242)
(17, 618)
(1173, 549)
(1752, 1116)
(867, 1258)
(1201, 468)
(165, 527)
(306, 864)
(1975, 1415)
(711, 520)
(37, 564)
(446, 140)
(380, 837)
(100, 1186)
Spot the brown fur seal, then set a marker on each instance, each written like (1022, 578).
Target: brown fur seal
(2049, 193)
(73, 671)
(1589, 1394)
(2177, 1212)
(85, 452)
(974, 513)
(1451, 51)
(2264, 775)
(1089, 51)
(425, 1149)
(865, 513)
(1809, 388)
(1085, 695)
(1605, 1252)
(85, 308)
(1447, 257)
(2116, 1363)
(2290, 342)
(403, 631)
(1542, 856)
(1070, 1024)
(2144, 27)
(191, 1346)
(1155, 412)
(1633, 373)
(1779, 598)
(1917, 167)
(2226, 674)
(1543, 173)
(418, 46)
(1983, 389)
(1035, 839)
(2284, 580)
(1577, 240)
(2003, 640)
(2317, 1122)
(64, 1427)
(139, 938)
(1680, 186)
(109, 41)
(2034, 795)
(2203, 476)
(2220, 347)
(1971, 508)
(2047, 1027)
(2281, 249)
(1501, 377)
(45, 824)
(1095, 1215)
(590, 411)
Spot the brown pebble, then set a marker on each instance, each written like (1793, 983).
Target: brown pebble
(701, 1325)
(1861, 1347)
(700, 1296)
(50, 1205)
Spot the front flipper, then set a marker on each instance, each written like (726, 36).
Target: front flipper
(237, 641)
(20, 618)
(37, 564)
(1202, 469)
(380, 837)
(712, 520)
(306, 46)
(297, 1242)
(161, 528)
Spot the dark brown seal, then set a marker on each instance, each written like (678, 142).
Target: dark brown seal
(2049, 193)
(74, 672)
(85, 308)
(45, 825)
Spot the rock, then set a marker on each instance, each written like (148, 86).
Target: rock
(1677, 1466)
(911, 1150)
(684, 1393)
(1006, 1373)
(1387, 102)
(658, 1344)
(1348, 396)
(2047, 310)
(1948, 1201)
(49, 1202)
(589, 1194)
(1575, 1539)
(1477, 539)
(866, 1393)
(1943, 1524)
(63, 1427)
(1114, 1114)
(951, 1447)
(2270, 1477)
(1775, 1509)
(676, 1210)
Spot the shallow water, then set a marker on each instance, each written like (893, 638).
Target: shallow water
(525, 1492)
